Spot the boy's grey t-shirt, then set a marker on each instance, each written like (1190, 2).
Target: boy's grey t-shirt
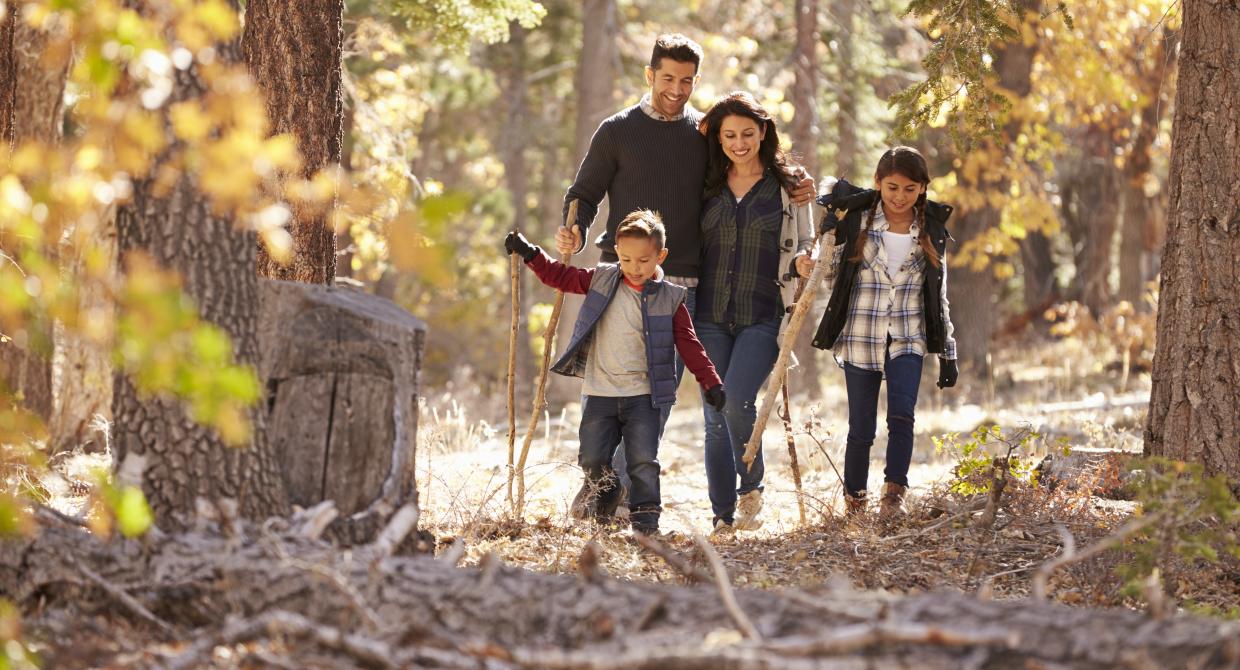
(616, 366)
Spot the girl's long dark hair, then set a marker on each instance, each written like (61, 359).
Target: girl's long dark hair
(910, 164)
(740, 103)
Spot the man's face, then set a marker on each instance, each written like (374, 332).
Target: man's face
(671, 85)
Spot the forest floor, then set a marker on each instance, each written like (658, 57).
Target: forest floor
(1061, 389)
(1064, 390)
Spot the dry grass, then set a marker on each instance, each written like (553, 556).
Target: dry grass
(1056, 387)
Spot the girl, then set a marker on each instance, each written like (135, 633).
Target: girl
(887, 310)
(752, 236)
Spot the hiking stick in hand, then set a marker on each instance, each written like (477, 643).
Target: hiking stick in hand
(515, 275)
(780, 373)
(540, 395)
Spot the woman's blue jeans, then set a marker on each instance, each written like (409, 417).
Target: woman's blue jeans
(903, 378)
(743, 357)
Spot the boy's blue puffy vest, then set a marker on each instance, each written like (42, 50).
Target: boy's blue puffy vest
(660, 300)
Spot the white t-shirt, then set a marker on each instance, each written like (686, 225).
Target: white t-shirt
(897, 245)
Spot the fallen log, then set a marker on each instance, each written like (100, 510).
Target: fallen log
(425, 612)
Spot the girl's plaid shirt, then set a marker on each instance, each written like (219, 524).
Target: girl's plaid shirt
(885, 306)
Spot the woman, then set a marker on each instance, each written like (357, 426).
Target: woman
(754, 243)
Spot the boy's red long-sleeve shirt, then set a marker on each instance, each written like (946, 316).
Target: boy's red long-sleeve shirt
(571, 279)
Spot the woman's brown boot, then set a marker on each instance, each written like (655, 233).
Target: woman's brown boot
(893, 497)
(854, 505)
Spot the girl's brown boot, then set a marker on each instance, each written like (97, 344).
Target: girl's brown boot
(893, 498)
(854, 505)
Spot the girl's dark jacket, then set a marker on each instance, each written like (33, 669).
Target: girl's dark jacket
(845, 208)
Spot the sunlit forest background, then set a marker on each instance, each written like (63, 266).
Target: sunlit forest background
(158, 159)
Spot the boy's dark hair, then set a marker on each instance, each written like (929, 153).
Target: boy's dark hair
(678, 48)
(644, 224)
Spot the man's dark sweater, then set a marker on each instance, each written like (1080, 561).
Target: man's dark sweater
(642, 163)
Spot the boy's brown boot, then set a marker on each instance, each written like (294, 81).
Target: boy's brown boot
(854, 505)
(893, 498)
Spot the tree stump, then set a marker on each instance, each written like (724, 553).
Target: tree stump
(340, 368)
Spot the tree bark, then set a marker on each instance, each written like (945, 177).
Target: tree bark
(1194, 403)
(293, 52)
(596, 100)
(974, 295)
(494, 616)
(1041, 288)
(1094, 201)
(32, 81)
(515, 89)
(8, 76)
(846, 120)
(1143, 221)
(805, 134)
(183, 460)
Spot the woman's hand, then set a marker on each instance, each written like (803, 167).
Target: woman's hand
(805, 265)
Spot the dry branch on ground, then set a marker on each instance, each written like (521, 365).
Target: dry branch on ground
(259, 588)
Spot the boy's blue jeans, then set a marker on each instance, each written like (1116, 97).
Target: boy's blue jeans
(618, 463)
(743, 357)
(903, 378)
(604, 422)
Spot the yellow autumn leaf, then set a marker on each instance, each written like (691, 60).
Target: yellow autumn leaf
(189, 121)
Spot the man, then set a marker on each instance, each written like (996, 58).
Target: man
(650, 156)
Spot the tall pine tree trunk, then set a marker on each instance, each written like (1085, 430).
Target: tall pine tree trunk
(805, 135)
(32, 84)
(1195, 401)
(1040, 286)
(596, 100)
(293, 52)
(974, 295)
(846, 120)
(1094, 206)
(1142, 219)
(183, 460)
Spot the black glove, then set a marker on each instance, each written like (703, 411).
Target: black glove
(516, 243)
(715, 397)
(947, 373)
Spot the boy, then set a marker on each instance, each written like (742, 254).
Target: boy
(624, 344)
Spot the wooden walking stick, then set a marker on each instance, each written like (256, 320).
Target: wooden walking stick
(780, 373)
(515, 275)
(540, 395)
(792, 451)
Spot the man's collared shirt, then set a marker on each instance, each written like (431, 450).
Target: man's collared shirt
(655, 114)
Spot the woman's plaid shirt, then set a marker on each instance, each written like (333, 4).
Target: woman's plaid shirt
(885, 305)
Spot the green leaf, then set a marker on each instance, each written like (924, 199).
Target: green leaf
(133, 515)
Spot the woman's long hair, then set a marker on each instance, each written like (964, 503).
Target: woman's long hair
(740, 103)
(910, 164)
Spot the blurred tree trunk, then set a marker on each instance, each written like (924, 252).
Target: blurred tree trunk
(293, 51)
(1144, 215)
(846, 120)
(1041, 288)
(8, 77)
(181, 460)
(1091, 207)
(805, 133)
(596, 100)
(515, 98)
(32, 84)
(1194, 405)
(974, 295)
